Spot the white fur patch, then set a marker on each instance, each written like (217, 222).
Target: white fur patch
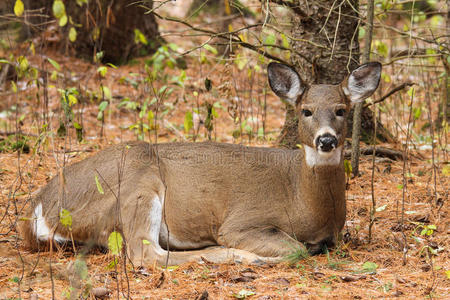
(295, 89)
(40, 228)
(175, 242)
(155, 222)
(319, 158)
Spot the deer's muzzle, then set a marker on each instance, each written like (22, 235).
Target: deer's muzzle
(326, 142)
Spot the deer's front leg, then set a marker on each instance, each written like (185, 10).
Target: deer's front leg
(264, 241)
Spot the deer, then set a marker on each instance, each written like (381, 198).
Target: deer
(184, 202)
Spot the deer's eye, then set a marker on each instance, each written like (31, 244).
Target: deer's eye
(306, 112)
(340, 112)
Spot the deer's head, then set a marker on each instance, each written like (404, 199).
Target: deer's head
(322, 109)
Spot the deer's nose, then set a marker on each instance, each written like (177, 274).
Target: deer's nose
(326, 142)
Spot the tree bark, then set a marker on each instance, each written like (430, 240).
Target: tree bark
(106, 25)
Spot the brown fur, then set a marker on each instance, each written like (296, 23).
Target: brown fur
(257, 203)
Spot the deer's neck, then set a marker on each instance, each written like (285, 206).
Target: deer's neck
(320, 193)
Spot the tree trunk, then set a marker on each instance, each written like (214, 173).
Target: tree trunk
(106, 25)
(326, 42)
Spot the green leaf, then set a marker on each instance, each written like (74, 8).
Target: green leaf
(18, 8)
(270, 40)
(23, 63)
(382, 49)
(241, 61)
(386, 77)
(448, 274)
(79, 131)
(54, 64)
(81, 2)
(102, 106)
(59, 10)
(210, 49)
(106, 92)
(102, 71)
(188, 121)
(446, 170)
(284, 41)
(13, 87)
(65, 218)
(139, 37)
(172, 268)
(172, 46)
(95, 35)
(348, 167)
(54, 75)
(145, 242)
(115, 243)
(72, 99)
(72, 34)
(63, 21)
(113, 263)
(361, 32)
(417, 112)
(99, 186)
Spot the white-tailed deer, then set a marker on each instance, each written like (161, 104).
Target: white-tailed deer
(221, 202)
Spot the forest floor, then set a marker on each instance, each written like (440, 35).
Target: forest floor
(385, 267)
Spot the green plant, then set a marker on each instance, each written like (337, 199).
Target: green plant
(368, 267)
(15, 143)
(425, 230)
(334, 263)
(299, 252)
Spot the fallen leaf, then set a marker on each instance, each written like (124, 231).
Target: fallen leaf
(100, 292)
(282, 280)
(349, 278)
(401, 280)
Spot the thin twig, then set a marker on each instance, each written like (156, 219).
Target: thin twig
(229, 36)
(390, 93)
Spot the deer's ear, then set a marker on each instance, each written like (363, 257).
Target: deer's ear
(362, 82)
(285, 82)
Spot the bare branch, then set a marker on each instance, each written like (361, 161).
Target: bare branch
(390, 93)
(229, 36)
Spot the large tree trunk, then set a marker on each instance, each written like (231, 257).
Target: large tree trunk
(107, 26)
(326, 40)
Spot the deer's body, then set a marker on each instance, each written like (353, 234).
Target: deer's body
(257, 203)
